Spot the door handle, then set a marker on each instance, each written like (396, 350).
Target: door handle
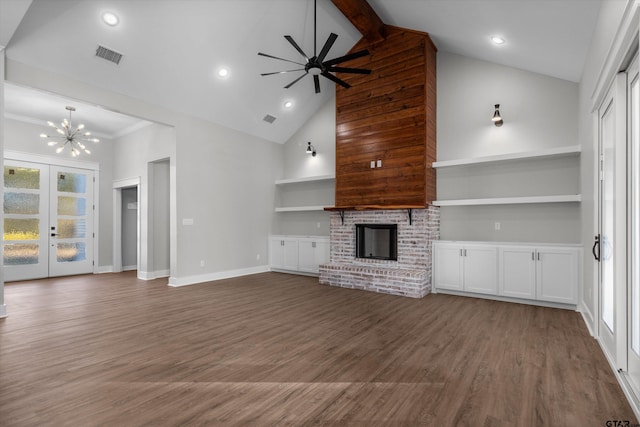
(593, 249)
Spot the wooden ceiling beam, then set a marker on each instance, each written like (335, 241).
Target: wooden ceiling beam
(363, 17)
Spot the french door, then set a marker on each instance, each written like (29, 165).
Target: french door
(48, 225)
(633, 345)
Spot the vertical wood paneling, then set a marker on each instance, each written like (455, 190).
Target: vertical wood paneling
(389, 115)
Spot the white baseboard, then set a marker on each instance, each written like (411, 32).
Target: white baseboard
(588, 318)
(103, 269)
(505, 299)
(211, 277)
(129, 268)
(151, 275)
(3, 310)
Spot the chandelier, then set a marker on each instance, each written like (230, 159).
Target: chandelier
(68, 136)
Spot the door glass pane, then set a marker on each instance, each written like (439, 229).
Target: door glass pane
(69, 252)
(72, 182)
(15, 177)
(21, 253)
(21, 229)
(71, 228)
(73, 206)
(21, 203)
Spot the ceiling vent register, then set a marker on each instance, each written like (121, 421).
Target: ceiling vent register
(269, 119)
(108, 54)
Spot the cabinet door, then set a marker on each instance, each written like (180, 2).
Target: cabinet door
(557, 274)
(517, 273)
(307, 256)
(447, 266)
(276, 252)
(480, 269)
(290, 253)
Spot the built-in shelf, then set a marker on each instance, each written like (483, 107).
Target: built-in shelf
(300, 208)
(573, 150)
(510, 200)
(318, 178)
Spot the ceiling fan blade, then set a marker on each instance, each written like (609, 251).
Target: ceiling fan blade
(335, 79)
(316, 82)
(295, 81)
(281, 59)
(349, 70)
(294, 44)
(281, 72)
(327, 46)
(345, 58)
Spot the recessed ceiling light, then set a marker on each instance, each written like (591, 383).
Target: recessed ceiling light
(497, 40)
(110, 19)
(223, 72)
(288, 105)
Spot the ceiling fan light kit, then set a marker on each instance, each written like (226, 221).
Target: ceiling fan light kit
(316, 65)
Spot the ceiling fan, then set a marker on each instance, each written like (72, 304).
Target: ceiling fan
(316, 65)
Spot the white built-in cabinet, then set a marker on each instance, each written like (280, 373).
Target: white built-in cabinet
(466, 267)
(301, 254)
(548, 273)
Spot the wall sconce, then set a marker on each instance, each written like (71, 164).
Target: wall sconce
(497, 119)
(311, 149)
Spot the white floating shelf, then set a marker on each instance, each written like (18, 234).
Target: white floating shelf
(510, 200)
(318, 178)
(572, 150)
(300, 208)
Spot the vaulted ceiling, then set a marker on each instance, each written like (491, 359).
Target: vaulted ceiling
(172, 49)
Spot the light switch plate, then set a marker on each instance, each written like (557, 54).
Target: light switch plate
(373, 164)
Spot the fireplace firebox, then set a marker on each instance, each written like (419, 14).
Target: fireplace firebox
(377, 241)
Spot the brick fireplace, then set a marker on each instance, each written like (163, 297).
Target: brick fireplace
(409, 276)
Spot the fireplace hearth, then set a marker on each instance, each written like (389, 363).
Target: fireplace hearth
(409, 274)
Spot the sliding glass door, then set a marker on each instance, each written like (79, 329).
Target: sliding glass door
(633, 94)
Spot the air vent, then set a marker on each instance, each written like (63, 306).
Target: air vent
(269, 118)
(108, 54)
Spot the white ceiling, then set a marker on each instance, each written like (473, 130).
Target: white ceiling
(173, 48)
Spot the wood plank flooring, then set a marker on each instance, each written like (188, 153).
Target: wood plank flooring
(278, 349)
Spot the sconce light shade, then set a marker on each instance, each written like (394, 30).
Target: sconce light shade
(497, 118)
(311, 149)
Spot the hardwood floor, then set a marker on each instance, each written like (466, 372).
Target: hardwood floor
(278, 349)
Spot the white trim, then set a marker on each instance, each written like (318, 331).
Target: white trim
(50, 160)
(587, 317)
(621, 46)
(634, 401)
(211, 277)
(129, 267)
(126, 182)
(510, 200)
(573, 150)
(3, 311)
(104, 269)
(152, 275)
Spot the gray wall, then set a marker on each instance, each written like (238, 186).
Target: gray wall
(161, 214)
(539, 112)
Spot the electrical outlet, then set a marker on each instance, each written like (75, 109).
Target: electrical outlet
(257, 257)
(317, 225)
(201, 263)
(497, 226)
(379, 163)
(373, 164)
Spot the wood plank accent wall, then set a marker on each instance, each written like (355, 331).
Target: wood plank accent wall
(389, 115)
